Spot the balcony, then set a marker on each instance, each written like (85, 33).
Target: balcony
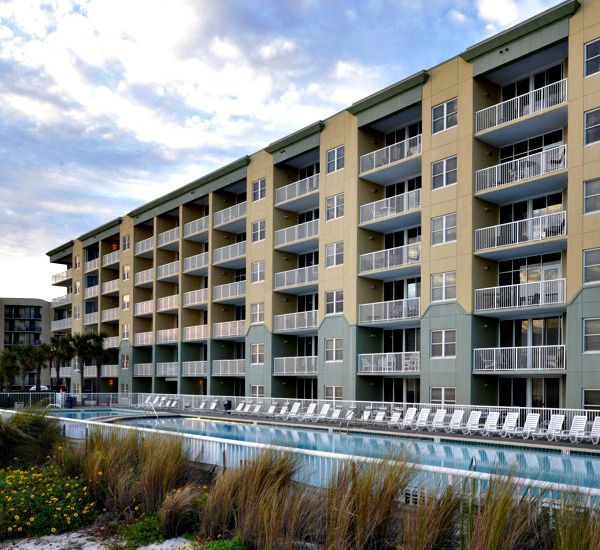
(111, 259)
(391, 262)
(194, 368)
(106, 371)
(543, 172)
(91, 265)
(196, 230)
(229, 367)
(231, 293)
(110, 315)
(299, 196)
(302, 322)
(143, 369)
(168, 369)
(110, 287)
(61, 324)
(527, 359)
(63, 278)
(65, 372)
(546, 295)
(143, 339)
(145, 248)
(168, 304)
(298, 281)
(296, 366)
(392, 213)
(196, 265)
(389, 364)
(392, 163)
(91, 292)
(167, 336)
(537, 235)
(232, 219)
(230, 329)
(530, 114)
(298, 238)
(168, 272)
(144, 309)
(144, 278)
(197, 333)
(196, 299)
(382, 314)
(62, 301)
(111, 342)
(231, 256)
(168, 240)
(90, 318)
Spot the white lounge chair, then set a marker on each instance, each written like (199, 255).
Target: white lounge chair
(395, 419)
(380, 417)
(201, 406)
(421, 421)
(576, 430)
(509, 425)
(144, 404)
(472, 422)
(438, 421)
(349, 416)
(283, 412)
(213, 405)
(554, 429)
(309, 414)
(365, 416)
(531, 424)
(455, 421)
(491, 422)
(294, 411)
(335, 415)
(253, 410)
(323, 413)
(409, 418)
(239, 408)
(593, 436)
(271, 410)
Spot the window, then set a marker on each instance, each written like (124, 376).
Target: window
(443, 116)
(126, 242)
(76, 312)
(124, 360)
(125, 301)
(591, 192)
(257, 353)
(259, 231)
(334, 254)
(591, 335)
(334, 302)
(592, 126)
(125, 331)
(259, 189)
(126, 272)
(334, 207)
(591, 399)
(257, 391)
(443, 229)
(591, 266)
(77, 262)
(257, 274)
(335, 159)
(77, 287)
(334, 349)
(257, 313)
(443, 286)
(443, 396)
(443, 343)
(443, 173)
(334, 392)
(592, 57)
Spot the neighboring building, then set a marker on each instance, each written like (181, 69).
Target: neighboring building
(432, 242)
(25, 321)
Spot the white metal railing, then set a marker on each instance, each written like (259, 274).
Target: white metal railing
(196, 332)
(62, 300)
(107, 371)
(145, 276)
(167, 270)
(90, 318)
(65, 372)
(229, 290)
(91, 265)
(390, 257)
(229, 329)
(391, 206)
(143, 308)
(194, 227)
(523, 295)
(194, 368)
(195, 262)
(170, 368)
(522, 105)
(168, 237)
(61, 324)
(302, 320)
(230, 252)
(296, 277)
(537, 358)
(167, 302)
(62, 276)
(230, 214)
(167, 335)
(91, 291)
(143, 369)
(229, 367)
(522, 231)
(296, 365)
(110, 286)
(394, 310)
(110, 258)
(111, 342)
(143, 339)
(390, 154)
(298, 232)
(195, 297)
(144, 246)
(531, 166)
(297, 189)
(111, 314)
(408, 362)
(89, 371)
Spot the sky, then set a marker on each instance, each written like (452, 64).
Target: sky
(107, 104)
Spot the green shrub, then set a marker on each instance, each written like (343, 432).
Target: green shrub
(144, 531)
(232, 544)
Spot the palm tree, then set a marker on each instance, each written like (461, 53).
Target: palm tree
(31, 358)
(98, 354)
(80, 347)
(9, 367)
(60, 351)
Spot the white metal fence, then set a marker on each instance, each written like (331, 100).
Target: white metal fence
(147, 245)
(62, 300)
(61, 324)
(524, 295)
(144, 308)
(297, 189)
(111, 258)
(196, 297)
(194, 368)
(145, 276)
(143, 369)
(110, 286)
(229, 367)
(143, 338)
(62, 276)
(195, 262)
(167, 270)
(390, 257)
(391, 206)
(229, 291)
(170, 368)
(91, 291)
(167, 336)
(229, 329)
(167, 302)
(390, 154)
(91, 265)
(514, 359)
(195, 333)
(168, 237)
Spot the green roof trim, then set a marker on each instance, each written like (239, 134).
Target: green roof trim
(307, 131)
(417, 79)
(105, 227)
(62, 248)
(556, 13)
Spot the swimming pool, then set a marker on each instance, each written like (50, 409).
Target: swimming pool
(87, 414)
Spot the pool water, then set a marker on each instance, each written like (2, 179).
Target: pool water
(87, 414)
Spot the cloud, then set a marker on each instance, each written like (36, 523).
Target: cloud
(457, 16)
(500, 15)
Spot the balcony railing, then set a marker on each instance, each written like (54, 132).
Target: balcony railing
(194, 227)
(111, 342)
(229, 329)
(536, 358)
(90, 318)
(167, 302)
(61, 324)
(297, 189)
(524, 295)
(387, 208)
(229, 291)
(147, 245)
(390, 257)
(145, 276)
(111, 314)
(168, 237)
(143, 369)
(195, 333)
(296, 365)
(229, 367)
(521, 106)
(110, 286)
(226, 253)
(143, 339)
(91, 291)
(194, 368)
(394, 310)
(143, 308)
(167, 336)
(195, 262)
(531, 166)
(230, 214)
(92, 265)
(290, 322)
(298, 232)
(170, 368)
(296, 277)
(196, 297)
(65, 372)
(107, 371)
(111, 258)
(408, 362)
(62, 276)
(391, 154)
(62, 300)
(167, 270)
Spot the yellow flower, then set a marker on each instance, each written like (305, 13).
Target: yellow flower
(53, 530)
(100, 473)
(17, 518)
(31, 519)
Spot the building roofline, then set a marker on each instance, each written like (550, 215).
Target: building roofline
(314, 128)
(104, 227)
(61, 248)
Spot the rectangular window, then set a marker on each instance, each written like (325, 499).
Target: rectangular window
(257, 353)
(77, 288)
(591, 400)
(592, 126)
(335, 159)
(591, 266)
(591, 335)
(126, 272)
(257, 313)
(443, 396)
(591, 196)
(334, 254)
(334, 392)
(443, 229)
(334, 302)
(443, 116)
(443, 286)
(443, 173)
(76, 312)
(125, 331)
(77, 262)
(259, 231)
(125, 301)
(334, 207)
(259, 189)
(257, 272)
(334, 349)
(257, 391)
(126, 242)
(592, 57)
(443, 343)
(124, 360)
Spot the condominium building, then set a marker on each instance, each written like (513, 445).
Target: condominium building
(436, 241)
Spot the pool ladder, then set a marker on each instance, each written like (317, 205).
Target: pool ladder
(473, 464)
